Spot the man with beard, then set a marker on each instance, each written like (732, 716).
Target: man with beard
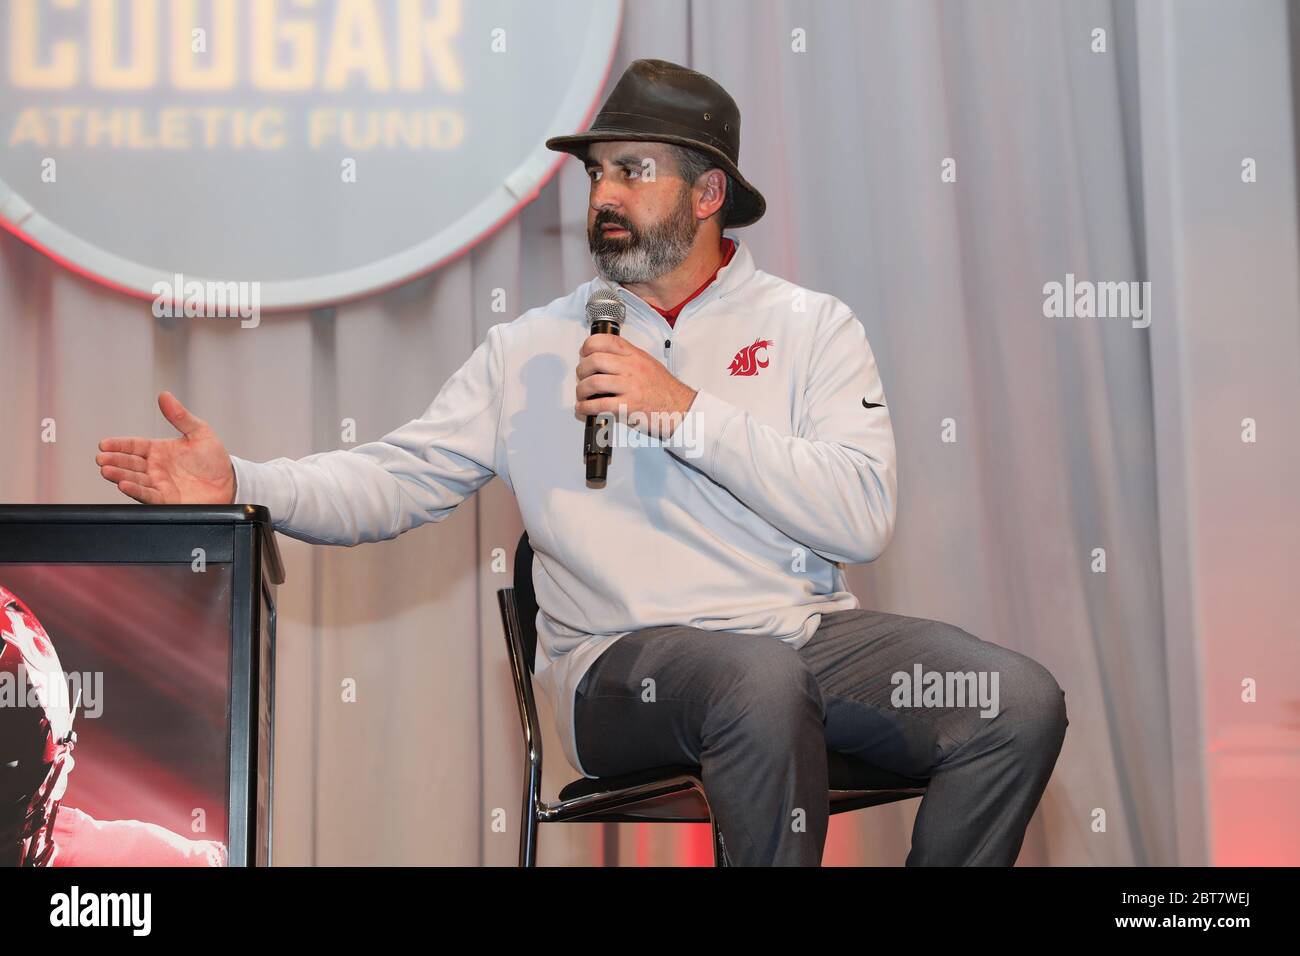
(694, 609)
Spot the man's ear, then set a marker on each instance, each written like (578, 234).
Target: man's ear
(713, 190)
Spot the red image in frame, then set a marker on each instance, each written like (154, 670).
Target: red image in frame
(37, 742)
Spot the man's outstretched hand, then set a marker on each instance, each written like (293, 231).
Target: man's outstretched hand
(194, 469)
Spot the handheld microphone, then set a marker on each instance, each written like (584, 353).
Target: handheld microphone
(605, 313)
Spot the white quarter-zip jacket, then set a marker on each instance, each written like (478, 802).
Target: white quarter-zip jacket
(782, 471)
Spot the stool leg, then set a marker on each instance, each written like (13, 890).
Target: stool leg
(528, 832)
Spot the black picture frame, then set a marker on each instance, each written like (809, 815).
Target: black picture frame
(240, 535)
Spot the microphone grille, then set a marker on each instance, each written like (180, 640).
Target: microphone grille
(605, 303)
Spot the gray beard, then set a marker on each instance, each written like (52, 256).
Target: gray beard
(654, 253)
(640, 263)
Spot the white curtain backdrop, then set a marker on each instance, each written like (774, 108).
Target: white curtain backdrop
(1058, 437)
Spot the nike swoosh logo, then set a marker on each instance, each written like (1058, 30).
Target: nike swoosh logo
(867, 404)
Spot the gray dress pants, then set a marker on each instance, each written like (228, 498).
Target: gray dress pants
(917, 697)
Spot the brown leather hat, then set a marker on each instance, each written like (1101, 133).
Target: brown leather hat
(662, 102)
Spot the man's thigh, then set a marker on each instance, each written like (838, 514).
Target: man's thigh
(646, 701)
(904, 693)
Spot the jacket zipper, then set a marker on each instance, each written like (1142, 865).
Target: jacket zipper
(668, 355)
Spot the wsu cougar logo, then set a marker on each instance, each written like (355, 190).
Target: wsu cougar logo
(746, 361)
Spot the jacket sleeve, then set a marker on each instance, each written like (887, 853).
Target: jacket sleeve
(832, 486)
(417, 473)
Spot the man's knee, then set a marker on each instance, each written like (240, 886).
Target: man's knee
(1033, 702)
(1022, 694)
